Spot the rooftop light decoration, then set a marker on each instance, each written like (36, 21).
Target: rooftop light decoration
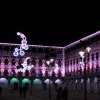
(20, 51)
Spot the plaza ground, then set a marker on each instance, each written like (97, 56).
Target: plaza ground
(44, 95)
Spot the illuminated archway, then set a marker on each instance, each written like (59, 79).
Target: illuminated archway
(47, 81)
(14, 83)
(37, 81)
(26, 80)
(14, 80)
(37, 84)
(4, 82)
(58, 81)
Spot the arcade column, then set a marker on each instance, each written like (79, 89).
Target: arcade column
(31, 87)
(20, 81)
(8, 81)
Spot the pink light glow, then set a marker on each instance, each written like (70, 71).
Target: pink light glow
(69, 69)
(2, 70)
(63, 73)
(43, 72)
(16, 71)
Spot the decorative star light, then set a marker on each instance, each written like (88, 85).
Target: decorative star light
(23, 46)
(25, 65)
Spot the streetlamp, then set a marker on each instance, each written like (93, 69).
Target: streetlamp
(49, 65)
(49, 60)
(84, 62)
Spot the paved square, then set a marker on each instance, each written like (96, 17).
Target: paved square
(44, 95)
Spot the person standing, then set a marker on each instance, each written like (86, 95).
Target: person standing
(59, 93)
(20, 91)
(24, 91)
(65, 94)
(0, 90)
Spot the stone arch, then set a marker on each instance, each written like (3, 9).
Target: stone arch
(14, 83)
(37, 84)
(58, 83)
(14, 80)
(37, 81)
(4, 83)
(47, 82)
(26, 82)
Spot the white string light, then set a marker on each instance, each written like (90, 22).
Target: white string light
(25, 65)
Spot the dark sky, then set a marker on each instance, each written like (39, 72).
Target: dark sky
(55, 24)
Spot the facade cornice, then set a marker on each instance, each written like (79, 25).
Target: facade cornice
(56, 47)
(35, 46)
(83, 39)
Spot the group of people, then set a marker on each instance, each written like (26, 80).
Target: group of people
(22, 91)
(62, 94)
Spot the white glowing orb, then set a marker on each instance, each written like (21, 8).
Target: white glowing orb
(22, 36)
(15, 54)
(18, 33)
(16, 49)
(22, 53)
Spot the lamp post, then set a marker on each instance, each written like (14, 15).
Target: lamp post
(49, 61)
(84, 63)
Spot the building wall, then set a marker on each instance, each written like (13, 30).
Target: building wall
(74, 70)
(9, 65)
(70, 72)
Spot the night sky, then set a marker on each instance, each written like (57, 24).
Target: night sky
(52, 25)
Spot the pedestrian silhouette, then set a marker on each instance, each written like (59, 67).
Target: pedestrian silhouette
(59, 93)
(20, 91)
(65, 94)
(0, 90)
(24, 91)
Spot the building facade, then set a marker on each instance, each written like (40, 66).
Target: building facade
(39, 75)
(75, 72)
(65, 69)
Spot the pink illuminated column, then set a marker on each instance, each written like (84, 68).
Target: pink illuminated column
(75, 65)
(63, 63)
(90, 62)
